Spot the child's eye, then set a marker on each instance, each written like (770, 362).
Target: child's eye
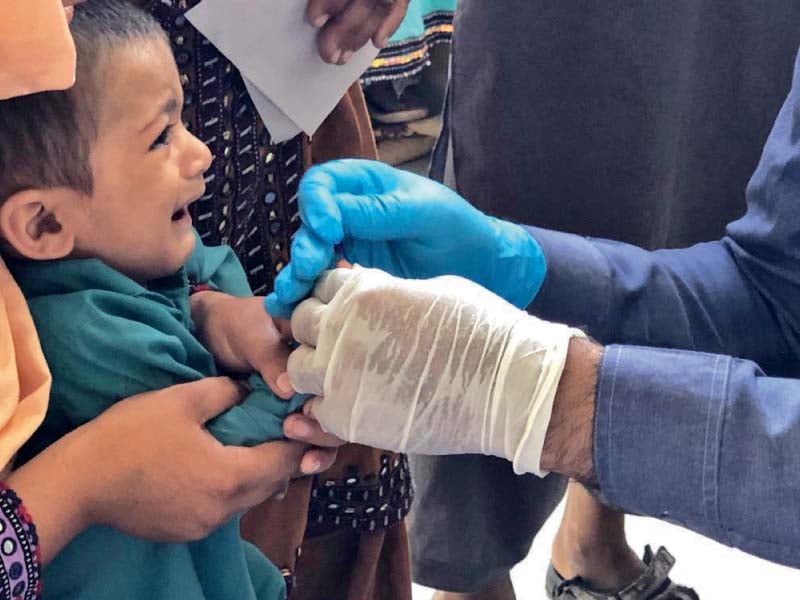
(162, 139)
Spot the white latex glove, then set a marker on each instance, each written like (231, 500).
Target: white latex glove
(436, 366)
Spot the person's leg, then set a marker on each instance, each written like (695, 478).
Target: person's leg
(473, 519)
(500, 589)
(591, 557)
(591, 543)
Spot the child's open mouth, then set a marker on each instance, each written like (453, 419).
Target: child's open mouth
(180, 214)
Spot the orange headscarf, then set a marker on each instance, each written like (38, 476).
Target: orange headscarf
(36, 50)
(24, 377)
(36, 54)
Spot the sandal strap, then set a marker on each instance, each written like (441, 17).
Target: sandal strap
(653, 584)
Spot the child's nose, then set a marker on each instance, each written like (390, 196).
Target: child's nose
(199, 160)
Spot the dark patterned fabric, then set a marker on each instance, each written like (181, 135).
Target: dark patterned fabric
(407, 57)
(361, 502)
(251, 194)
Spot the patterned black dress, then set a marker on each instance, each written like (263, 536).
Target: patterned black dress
(251, 194)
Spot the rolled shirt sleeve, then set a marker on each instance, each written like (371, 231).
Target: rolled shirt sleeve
(702, 440)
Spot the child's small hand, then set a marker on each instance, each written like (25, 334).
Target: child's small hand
(243, 337)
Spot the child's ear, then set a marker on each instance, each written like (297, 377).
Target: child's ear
(40, 224)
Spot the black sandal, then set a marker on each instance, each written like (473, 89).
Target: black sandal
(653, 584)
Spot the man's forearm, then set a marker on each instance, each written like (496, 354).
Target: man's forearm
(622, 294)
(568, 444)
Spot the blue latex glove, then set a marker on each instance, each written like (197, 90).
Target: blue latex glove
(407, 225)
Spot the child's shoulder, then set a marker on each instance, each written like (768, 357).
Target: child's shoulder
(114, 341)
(77, 295)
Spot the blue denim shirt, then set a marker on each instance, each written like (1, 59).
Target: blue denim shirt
(693, 435)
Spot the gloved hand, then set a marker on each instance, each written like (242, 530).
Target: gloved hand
(437, 366)
(407, 225)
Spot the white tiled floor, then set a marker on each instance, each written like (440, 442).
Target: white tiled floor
(715, 571)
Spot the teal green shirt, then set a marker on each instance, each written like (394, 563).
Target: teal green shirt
(107, 337)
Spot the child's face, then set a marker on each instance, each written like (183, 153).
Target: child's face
(147, 167)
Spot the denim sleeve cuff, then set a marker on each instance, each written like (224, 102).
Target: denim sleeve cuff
(658, 433)
(577, 286)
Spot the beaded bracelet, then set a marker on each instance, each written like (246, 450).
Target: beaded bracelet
(20, 561)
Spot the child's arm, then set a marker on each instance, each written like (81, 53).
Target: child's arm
(242, 337)
(233, 324)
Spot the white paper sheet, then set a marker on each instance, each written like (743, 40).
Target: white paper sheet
(270, 42)
(281, 127)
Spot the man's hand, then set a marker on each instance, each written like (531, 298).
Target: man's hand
(407, 225)
(346, 25)
(438, 366)
(242, 337)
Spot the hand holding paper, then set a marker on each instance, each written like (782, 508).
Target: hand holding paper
(275, 49)
(347, 26)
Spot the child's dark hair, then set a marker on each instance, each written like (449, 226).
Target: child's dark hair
(46, 138)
